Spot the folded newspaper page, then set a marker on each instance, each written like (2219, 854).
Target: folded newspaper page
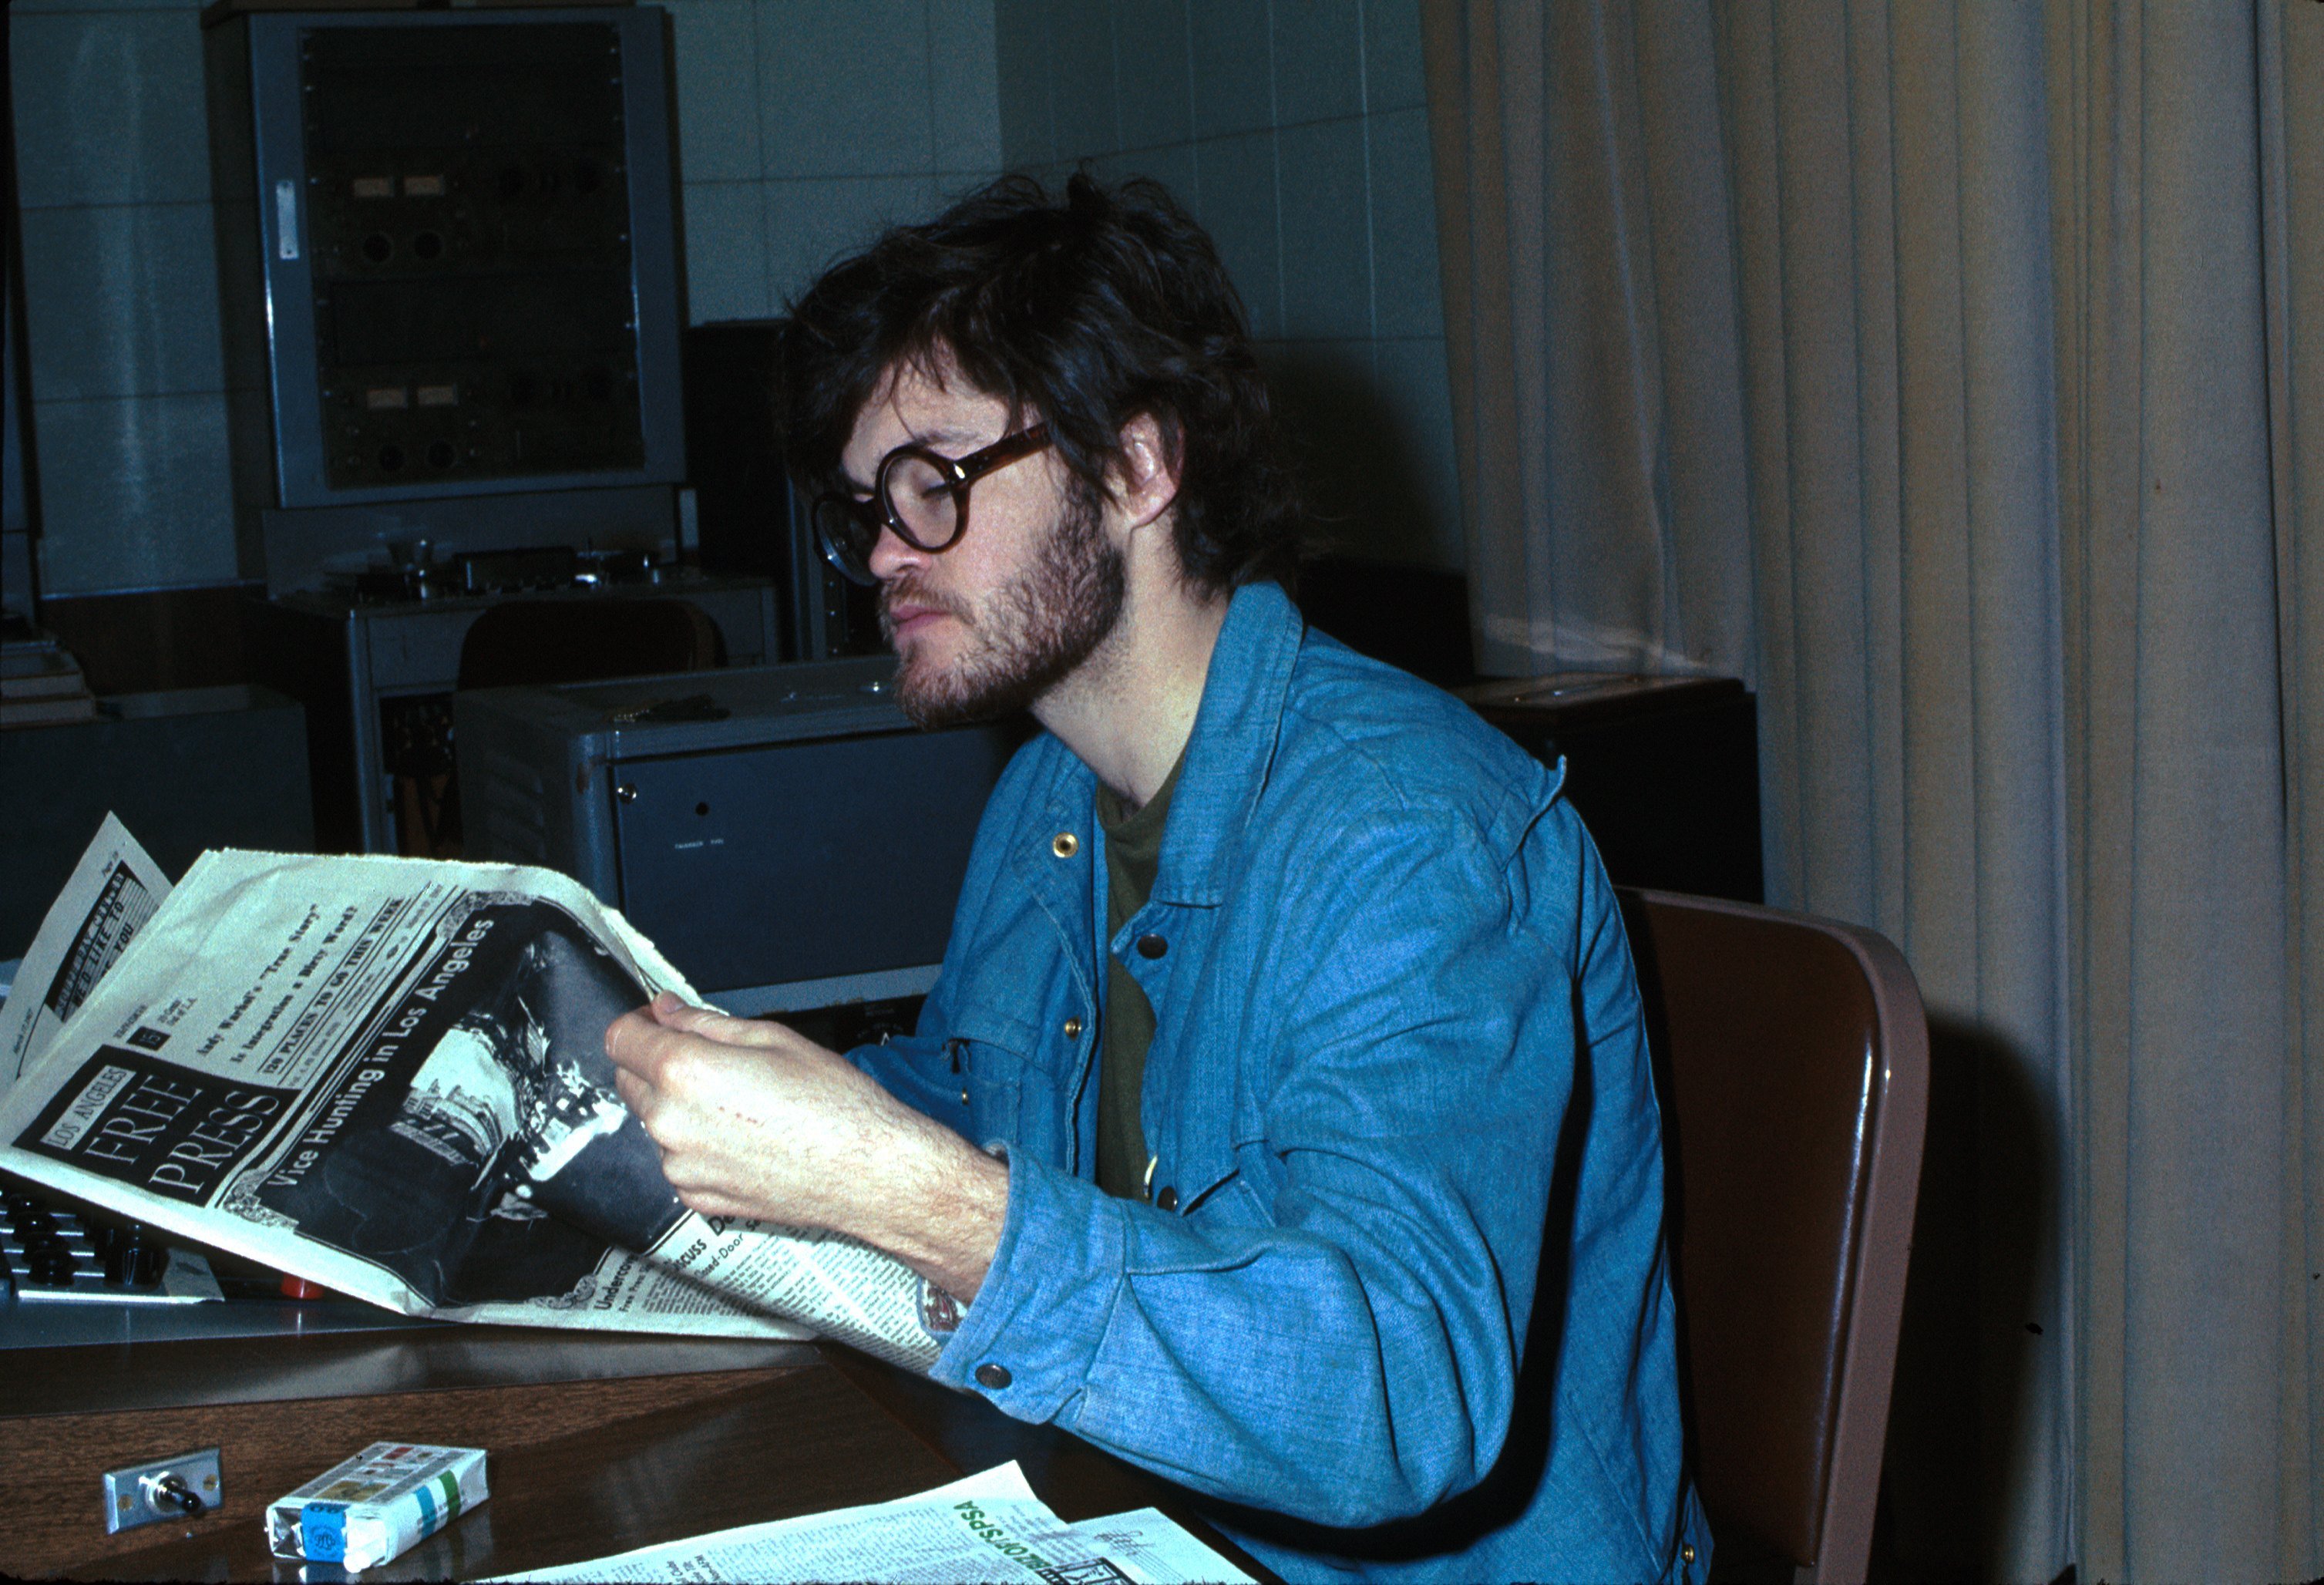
(988, 1526)
(389, 1077)
(112, 892)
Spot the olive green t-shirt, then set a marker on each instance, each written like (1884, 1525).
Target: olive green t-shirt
(1133, 853)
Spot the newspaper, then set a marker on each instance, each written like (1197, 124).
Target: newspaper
(988, 1526)
(113, 891)
(389, 1077)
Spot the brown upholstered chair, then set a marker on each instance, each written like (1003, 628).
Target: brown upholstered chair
(1792, 1055)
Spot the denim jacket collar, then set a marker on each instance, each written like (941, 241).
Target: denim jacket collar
(1233, 747)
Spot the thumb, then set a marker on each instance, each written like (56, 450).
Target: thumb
(671, 1013)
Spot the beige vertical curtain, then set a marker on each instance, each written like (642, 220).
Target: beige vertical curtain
(2189, 175)
(1955, 375)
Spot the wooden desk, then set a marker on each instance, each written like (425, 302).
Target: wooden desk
(598, 1444)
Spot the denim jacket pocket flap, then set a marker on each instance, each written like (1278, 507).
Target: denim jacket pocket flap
(1195, 1155)
(989, 1025)
(1198, 1132)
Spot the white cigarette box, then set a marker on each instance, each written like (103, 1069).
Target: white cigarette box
(383, 1502)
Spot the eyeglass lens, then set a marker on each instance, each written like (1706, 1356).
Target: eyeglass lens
(921, 497)
(847, 532)
(924, 504)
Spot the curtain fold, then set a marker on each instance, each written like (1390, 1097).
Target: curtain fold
(2292, 52)
(1618, 477)
(1951, 374)
(2184, 452)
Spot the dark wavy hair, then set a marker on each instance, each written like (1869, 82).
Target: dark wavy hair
(1082, 313)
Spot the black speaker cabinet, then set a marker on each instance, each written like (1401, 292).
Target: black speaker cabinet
(749, 519)
(1664, 770)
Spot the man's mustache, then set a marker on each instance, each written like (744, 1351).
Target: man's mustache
(909, 590)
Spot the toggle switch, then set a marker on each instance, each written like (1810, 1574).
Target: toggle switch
(181, 1488)
(169, 1494)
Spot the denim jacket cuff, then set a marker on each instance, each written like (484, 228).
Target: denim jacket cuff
(1028, 1341)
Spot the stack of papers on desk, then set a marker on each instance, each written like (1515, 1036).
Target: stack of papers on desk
(989, 1527)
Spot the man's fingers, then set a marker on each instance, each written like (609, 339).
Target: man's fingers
(636, 1045)
(711, 1202)
(671, 1013)
(635, 1093)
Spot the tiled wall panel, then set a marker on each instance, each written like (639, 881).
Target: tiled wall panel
(1238, 205)
(135, 491)
(1297, 132)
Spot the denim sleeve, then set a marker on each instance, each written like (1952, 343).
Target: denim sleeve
(1334, 1332)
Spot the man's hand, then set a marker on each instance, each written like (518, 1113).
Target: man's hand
(756, 1121)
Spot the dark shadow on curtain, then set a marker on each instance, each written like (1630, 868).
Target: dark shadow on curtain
(1968, 1341)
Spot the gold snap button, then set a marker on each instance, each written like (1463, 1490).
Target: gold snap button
(1064, 844)
(1072, 1027)
(1686, 1553)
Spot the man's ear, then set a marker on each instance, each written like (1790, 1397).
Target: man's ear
(1145, 476)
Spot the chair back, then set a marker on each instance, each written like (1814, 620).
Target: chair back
(1792, 1056)
(537, 642)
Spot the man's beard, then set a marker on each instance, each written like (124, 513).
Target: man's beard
(1031, 636)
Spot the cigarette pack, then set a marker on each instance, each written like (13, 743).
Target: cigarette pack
(383, 1501)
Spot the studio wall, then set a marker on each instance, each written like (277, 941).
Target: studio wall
(1297, 132)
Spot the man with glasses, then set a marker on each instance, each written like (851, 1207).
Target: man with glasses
(1282, 1110)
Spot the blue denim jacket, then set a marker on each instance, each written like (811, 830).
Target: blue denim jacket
(1396, 1035)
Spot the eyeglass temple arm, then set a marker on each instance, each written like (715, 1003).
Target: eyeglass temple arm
(998, 454)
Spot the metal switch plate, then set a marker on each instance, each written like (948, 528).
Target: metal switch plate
(140, 1494)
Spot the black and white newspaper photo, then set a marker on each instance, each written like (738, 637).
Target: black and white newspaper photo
(388, 1076)
(470, 1140)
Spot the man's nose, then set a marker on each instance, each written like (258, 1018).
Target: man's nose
(891, 558)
